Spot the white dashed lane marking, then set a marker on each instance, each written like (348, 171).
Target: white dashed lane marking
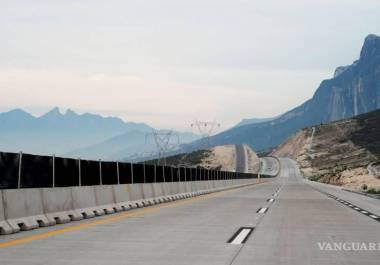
(262, 210)
(241, 236)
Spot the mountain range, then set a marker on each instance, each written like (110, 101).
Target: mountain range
(70, 134)
(353, 90)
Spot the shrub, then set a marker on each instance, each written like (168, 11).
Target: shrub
(373, 191)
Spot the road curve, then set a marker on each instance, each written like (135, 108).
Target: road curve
(269, 166)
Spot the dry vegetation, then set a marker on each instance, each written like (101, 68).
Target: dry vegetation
(219, 157)
(340, 152)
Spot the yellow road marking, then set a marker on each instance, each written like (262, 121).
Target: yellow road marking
(118, 217)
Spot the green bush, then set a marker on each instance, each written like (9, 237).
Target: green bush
(315, 178)
(373, 191)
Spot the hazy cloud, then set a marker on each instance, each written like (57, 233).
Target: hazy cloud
(167, 62)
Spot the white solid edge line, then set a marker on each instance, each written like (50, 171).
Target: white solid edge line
(241, 236)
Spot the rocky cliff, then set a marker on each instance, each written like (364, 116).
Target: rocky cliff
(354, 89)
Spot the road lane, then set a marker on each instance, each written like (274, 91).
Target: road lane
(302, 217)
(192, 233)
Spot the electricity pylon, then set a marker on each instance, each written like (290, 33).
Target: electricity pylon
(165, 141)
(205, 129)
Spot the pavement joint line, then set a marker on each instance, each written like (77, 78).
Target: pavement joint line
(350, 205)
(118, 217)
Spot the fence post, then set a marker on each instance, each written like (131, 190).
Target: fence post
(155, 173)
(131, 173)
(185, 173)
(144, 171)
(100, 171)
(171, 174)
(163, 173)
(118, 172)
(19, 170)
(53, 170)
(79, 173)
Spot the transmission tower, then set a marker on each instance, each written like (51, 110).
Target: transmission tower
(165, 141)
(205, 129)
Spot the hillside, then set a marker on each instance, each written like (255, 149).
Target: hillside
(354, 89)
(218, 157)
(344, 153)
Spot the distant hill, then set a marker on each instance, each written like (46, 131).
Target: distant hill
(341, 152)
(354, 89)
(59, 133)
(130, 146)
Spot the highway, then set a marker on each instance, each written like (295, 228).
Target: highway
(289, 216)
(269, 166)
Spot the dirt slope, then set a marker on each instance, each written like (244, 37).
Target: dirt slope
(339, 152)
(219, 157)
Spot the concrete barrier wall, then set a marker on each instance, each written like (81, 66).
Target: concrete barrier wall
(26, 209)
(148, 191)
(158, 189)
(58, 205)
(175, 188)
(23, 209)
(5, 228)
(84, 201)
(182, 187)
(122, 196)
(136, 192)
(105, 199)
(167, 188)
(188, 186)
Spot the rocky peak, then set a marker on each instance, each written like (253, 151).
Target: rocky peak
(340, 70)
(371, 47)
(71, 113)
(53, 114)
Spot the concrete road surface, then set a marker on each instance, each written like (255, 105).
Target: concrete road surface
(269, 166)
(289, 217)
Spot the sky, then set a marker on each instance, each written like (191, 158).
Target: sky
(170, 62)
